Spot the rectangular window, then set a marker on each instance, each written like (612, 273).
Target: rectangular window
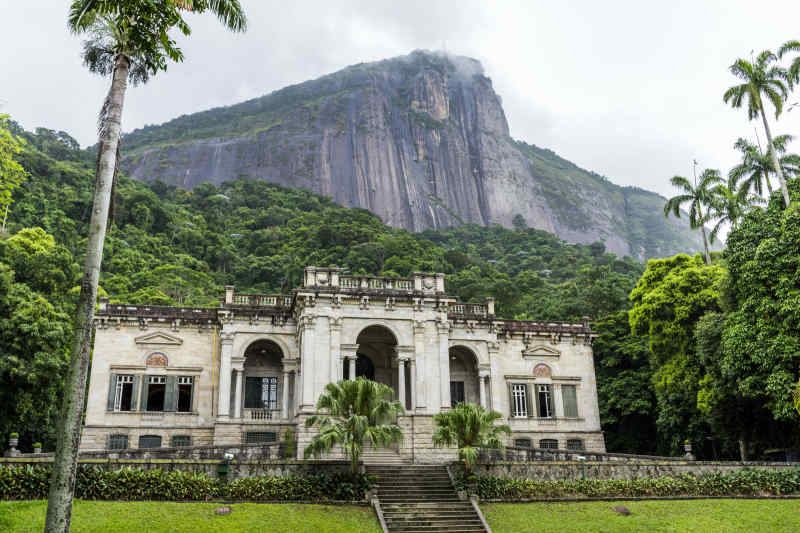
(181, 440)
(150, 441)
(544, 401)
(117, 442)
(456, 393)
(575, 445)
(123, 397)
(261, 393)
(522, 443)
(570, 401)
(156, 393)
(548, 444)
(185, 384)
(254, 437)
(519, 400)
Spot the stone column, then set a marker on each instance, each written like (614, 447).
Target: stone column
(419, 379)
(307, 363)
(237, 407)
(226, 352)
(444, 364)
(352, 368)
(285, 395)
(412, 375)
(482, 386)
(401, 382)
(335, 325)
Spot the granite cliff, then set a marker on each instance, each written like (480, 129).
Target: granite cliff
(420, 140)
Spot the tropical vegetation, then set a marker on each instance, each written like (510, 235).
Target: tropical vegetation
(355, 412)
(469, 427)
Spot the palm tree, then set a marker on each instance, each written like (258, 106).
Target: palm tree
(761, 79)
(729, 203)
(357, 411)
(697, 197)
(127, 40)
(470, 427)
(793, 72)
(756, 166)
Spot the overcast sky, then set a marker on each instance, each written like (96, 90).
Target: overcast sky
(632, 90)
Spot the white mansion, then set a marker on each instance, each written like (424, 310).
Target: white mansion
(254, 367)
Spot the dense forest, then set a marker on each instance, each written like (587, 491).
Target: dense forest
(170, 246)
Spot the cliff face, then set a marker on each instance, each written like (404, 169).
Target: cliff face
(421, 140)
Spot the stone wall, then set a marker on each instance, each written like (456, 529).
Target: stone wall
(236, 469)
(573, 470)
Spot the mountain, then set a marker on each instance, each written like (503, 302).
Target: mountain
(422, 141)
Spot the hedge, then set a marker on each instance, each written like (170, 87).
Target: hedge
(94, 483)
(746, 482)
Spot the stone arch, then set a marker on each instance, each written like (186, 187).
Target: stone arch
(284, 348)
(478, 350)
(262, 377)
(464, 385)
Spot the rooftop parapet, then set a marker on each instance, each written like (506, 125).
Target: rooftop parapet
(335, 279)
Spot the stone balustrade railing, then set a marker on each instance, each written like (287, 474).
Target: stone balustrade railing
(475, 310)
(258, 300)
(513, 454)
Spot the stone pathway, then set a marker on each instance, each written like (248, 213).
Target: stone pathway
(421, 499)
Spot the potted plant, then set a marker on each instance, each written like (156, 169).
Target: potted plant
(687, 446)
(13, 439)
(37, 447)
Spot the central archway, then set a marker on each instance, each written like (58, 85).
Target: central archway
(377, 355)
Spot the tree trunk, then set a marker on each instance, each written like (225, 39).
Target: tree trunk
(742, 449)
(769, 185)
(703, 230)
(775, 161)
(68, 430)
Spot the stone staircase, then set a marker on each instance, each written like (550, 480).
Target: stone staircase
(421, 499)
(382, 456)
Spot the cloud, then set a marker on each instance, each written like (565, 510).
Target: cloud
(632, 90)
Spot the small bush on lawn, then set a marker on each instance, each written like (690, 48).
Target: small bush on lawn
(747, 482)
(94, 483)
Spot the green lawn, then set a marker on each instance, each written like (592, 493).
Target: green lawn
(716, 516)
(124, 517)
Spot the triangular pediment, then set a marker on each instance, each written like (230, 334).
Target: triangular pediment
(541, 351)
(159, 337)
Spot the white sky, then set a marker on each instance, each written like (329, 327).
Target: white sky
(632, 90)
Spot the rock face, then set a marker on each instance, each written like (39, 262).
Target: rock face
(422, 141)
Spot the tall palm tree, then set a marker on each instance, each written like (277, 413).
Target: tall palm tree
(762, 79)
(127, 40)
(729, 202)
(358, 411)
(697, 196)
(470, 427)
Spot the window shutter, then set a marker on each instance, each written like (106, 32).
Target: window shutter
(530, 390)
(145, 392)
(171, 394)
(510, 400)
(570, 401)
(135, 393)
(112, 391)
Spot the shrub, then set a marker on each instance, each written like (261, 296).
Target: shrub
(14, 435)
(94, 483)
(37, 444)
(747, 482)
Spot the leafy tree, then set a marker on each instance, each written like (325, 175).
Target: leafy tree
(669, 299)
(761, 79)
(470, 427)
(697, 196)
(11, 172)
(128, 39)
(624, 387)
(356, 411)
(761, 343)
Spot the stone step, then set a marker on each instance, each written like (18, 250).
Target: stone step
(427, 529)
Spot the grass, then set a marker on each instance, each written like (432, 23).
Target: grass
(686, 516)
(152, 517)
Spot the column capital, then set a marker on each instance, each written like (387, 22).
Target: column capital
(443, 327)
(483, 374)
(226, 338)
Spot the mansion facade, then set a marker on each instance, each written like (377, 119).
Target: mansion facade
(254, 367)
